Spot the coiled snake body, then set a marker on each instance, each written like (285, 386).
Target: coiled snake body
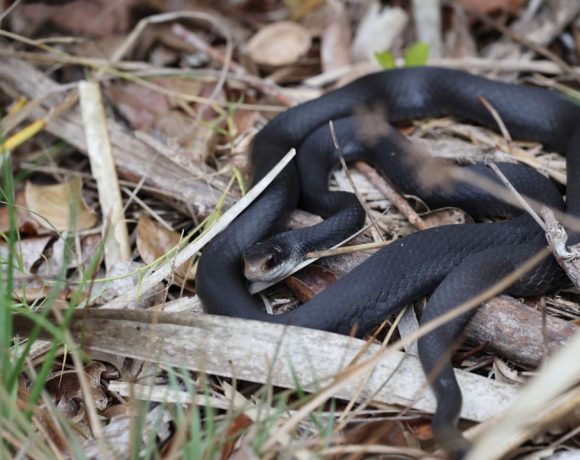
(454, 263)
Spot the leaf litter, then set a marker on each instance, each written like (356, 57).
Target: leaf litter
(165, 89)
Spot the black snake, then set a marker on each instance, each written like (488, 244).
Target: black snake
(451, 263)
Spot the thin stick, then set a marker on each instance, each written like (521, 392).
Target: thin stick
(521, 200)
(347, 249)
(392, 195)
(349, 177)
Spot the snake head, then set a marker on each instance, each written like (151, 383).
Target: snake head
(267, 262)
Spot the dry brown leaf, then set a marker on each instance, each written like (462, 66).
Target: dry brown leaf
(310, 281)
(236, 428)
(65, 386)
(50, 205)
(26, 225)
(278, 44)
(139, 105)
(421, 429)
(154, 241)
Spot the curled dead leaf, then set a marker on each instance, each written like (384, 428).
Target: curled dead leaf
(154, 241)
(310, 281)
(65, 387)
(51, 205)
(278, 44)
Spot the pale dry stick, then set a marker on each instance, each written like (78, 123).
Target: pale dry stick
(564, 89)
(133, 196)
(117, 246)
(164, 394)
(392, 195)
(501, 125)
(556, 376)
(531, 10)
(568, 436)
(347, 249)
(345, 376)
(64, 58)
(9, 10)
(427, 19)
(521, 200)
(152, 279)
(376, 449)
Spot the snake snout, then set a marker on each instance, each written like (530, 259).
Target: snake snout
(266, 262)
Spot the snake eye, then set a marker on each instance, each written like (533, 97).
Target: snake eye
(275, 256)
(271, 260)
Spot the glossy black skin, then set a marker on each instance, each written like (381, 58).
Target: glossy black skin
(452, 263)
